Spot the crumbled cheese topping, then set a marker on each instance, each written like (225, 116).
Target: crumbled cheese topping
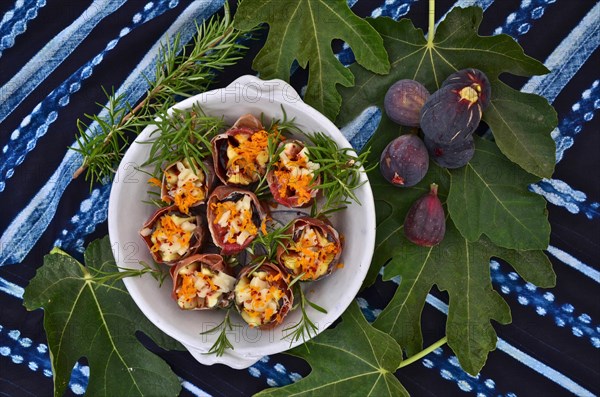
(236, 217)
(246, 162)
(202, 288)
(295, 173)
(310, 254)
(171, 236)
(259, 298)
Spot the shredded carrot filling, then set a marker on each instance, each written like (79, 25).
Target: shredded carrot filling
(311, 254)
(250, 156)
(187, 289)
(188, 285)
(154, 181)
(185, 198)
(263, 226)
(185, 185)
(298, 185)
(272, 278)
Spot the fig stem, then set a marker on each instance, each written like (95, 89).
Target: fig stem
(433, 188)
(423, 353)
(431, 28)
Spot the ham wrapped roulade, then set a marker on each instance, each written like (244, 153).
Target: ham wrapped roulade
(240, 154)
(313, 250)
(262, 295)
(187, 185)
(202, 282)
(235, 217)
(292, 179)
(171, 235)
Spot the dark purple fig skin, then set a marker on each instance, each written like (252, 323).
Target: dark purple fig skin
(425, 222)
(403, 102)
(474, 78)
(447, 116)
(455, 155)
(404, 161)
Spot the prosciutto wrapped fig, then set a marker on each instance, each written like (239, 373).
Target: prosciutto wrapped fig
(292, 179)
(202, 282)
(171, 235)
(240, 154)
(235, 217)
(262, 295)
(185, 185)
(313, 249)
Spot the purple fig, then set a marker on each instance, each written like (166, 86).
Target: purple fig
(404, 100)
(404, 161)
(425, 222)
(451, 113)
(452, 155)
(474, 79)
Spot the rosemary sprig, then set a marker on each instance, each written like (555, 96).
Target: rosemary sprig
(304, 328)
(264, 247)
(284, 124)
(180, 71)
(156, 271)
(103, 150)
(222, 343)
(339, 171)
(183, 134)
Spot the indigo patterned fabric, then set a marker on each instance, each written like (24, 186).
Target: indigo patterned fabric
(56, 54)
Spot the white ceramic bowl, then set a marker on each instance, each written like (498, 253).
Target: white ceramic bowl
(127, 213)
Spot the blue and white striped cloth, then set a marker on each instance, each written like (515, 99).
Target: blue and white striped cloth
(54, 56)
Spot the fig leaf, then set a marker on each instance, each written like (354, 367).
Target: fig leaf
(498, 215)
(490, 195)
(303, 31)
(363, 357)
(98, 321)
(456, 265)
(461, 268)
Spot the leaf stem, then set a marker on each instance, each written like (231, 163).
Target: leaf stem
(431, 28)
(423, 353)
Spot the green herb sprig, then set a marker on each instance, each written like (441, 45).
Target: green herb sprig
(339, 172)
(181, 71)
(222, 343)
(304, 329)
(265, 245)
(103, 151)
(183, 134)
(103, 277)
